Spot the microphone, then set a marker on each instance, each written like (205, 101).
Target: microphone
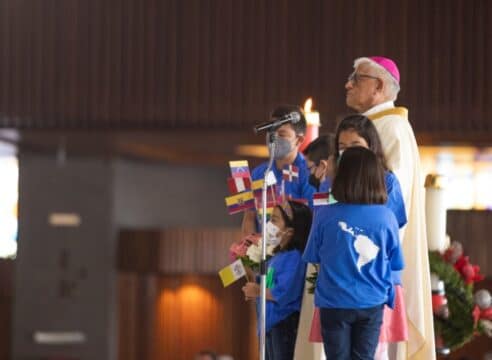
(293, 117)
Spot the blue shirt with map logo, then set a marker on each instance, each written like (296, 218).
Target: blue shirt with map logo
(358, 248)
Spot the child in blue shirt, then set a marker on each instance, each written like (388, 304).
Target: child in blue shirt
(289, 138)
(320, 158)
(288, 228)
(358, 130)
(356, 243)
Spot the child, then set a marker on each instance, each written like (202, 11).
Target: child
(357, 245)
(320, 159)
(358, 130)
(289, 227)
(288, 139)
(320, 155)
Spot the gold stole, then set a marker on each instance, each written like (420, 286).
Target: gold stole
(401, 111)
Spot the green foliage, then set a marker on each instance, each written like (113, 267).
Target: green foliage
(458, 328)
(250, 263)
(253, 265)
(311, 279)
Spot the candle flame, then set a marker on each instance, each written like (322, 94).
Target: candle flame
(308, 105)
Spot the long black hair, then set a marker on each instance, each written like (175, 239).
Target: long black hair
(364, 127)
(300, 222)
(359, 178)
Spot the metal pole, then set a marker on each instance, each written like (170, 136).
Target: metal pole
(263, 269)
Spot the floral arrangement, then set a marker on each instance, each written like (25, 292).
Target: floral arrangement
(249, 251)
(459, 313)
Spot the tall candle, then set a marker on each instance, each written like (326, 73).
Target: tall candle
(435, 211)
(312, 122)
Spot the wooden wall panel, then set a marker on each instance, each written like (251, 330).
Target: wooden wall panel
(136, 315)
(6, 306)
(196, 250)
(176, 250)
(472, 229)
(181, 315)
(225, 64)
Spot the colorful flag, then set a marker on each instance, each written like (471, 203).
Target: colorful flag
(240, 202)
(325, 198)
(239, 169)
(290, 172)
(238, 184)
(320, 199)
(272, 198)
(269, 212)
(232, 272)
(257, 186)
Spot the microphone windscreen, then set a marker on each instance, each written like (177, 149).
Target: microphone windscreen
(295, 117)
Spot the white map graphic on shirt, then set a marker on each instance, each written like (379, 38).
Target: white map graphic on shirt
(364, 246)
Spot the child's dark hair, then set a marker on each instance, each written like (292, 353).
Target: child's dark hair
(366, 130)
(301, 223)
(320, 148)
(282, 110)
(359, 178)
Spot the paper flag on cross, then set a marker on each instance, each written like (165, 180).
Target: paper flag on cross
(290, 172)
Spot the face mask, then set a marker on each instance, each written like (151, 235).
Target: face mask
(314, 181)
(272, 232)
(282, 148)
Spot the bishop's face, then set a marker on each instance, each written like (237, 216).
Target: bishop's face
(362, 88)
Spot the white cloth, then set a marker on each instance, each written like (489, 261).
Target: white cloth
(403, 158)
(304, 349)
(380, 107)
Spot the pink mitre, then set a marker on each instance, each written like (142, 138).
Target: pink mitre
(387, 64)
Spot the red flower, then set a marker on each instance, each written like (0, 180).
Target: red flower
(476, 314)
(461, 262)
(485, 314)
(469, 272)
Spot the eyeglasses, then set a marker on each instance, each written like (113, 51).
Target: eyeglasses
(356, 77)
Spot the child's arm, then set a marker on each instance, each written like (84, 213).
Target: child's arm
(248, 225)
(395, 199)
(394, 250)
(250, 274)
(252, 290)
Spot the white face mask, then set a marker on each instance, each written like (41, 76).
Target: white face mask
(272, 234)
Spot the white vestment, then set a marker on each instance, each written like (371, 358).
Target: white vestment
(400, 148)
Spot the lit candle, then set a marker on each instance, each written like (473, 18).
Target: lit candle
(313, 123)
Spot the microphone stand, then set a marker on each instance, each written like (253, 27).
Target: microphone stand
(263, 268)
